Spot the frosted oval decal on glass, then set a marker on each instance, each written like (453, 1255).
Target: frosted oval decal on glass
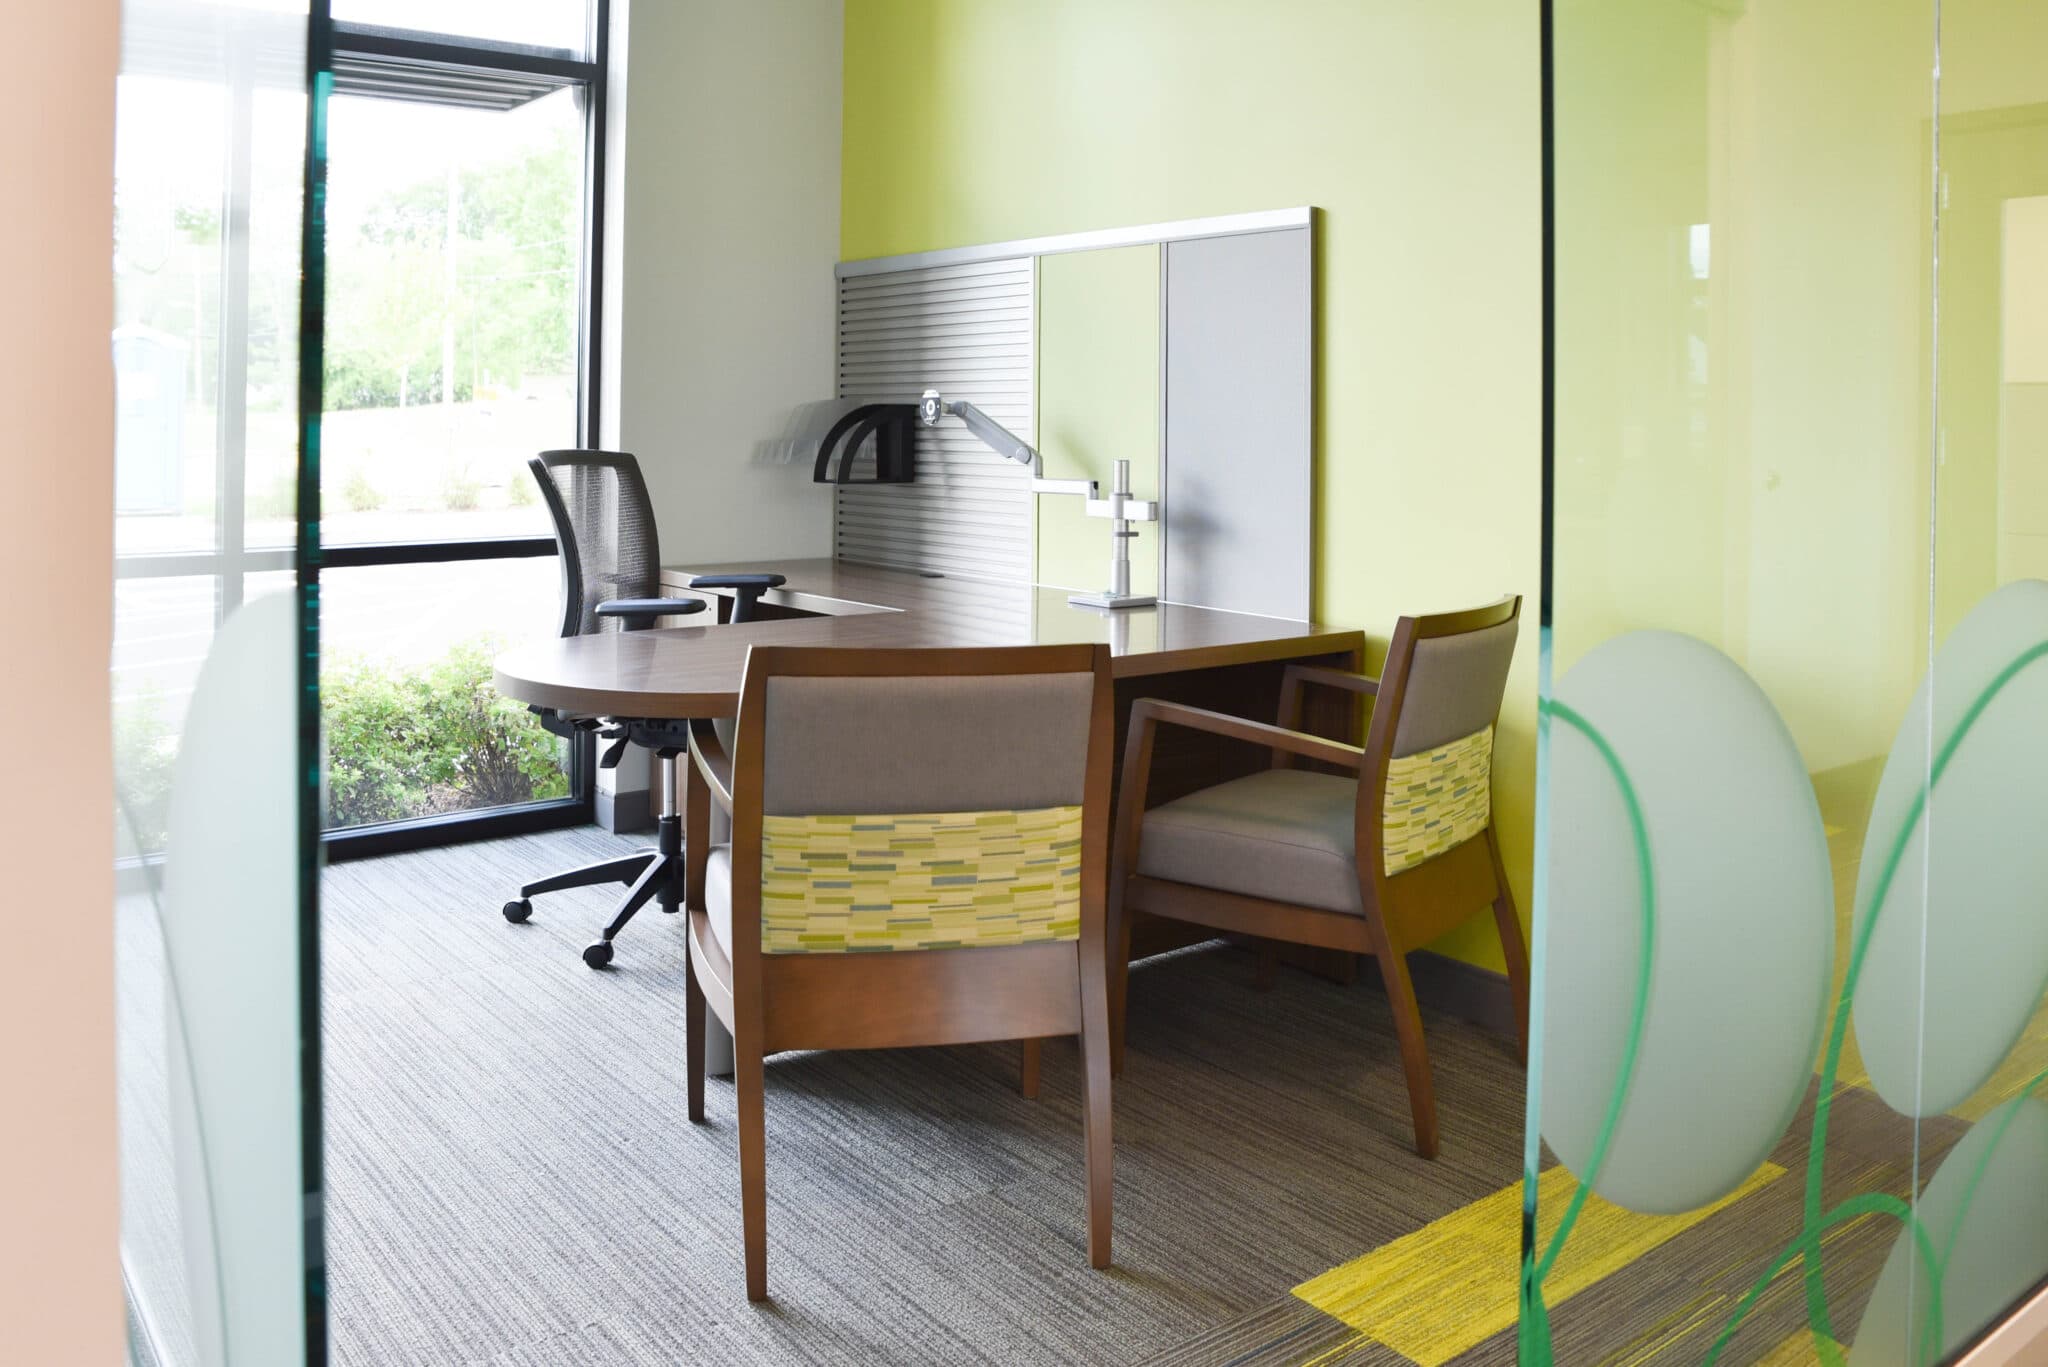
(1986, 882)
(1985, 1217)
(1663, 749)
(231, 941)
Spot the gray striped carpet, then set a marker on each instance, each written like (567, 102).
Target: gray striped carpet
(511, 1178)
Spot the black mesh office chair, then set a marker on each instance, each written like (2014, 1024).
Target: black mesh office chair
(611, 581)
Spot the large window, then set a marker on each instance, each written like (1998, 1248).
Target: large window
(463, 180)
(465, 165)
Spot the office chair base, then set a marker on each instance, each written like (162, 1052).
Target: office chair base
(624, 870)
(645, 870)
(654, 875)
(660, 881)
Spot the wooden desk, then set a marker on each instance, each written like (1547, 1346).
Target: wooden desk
(694, 671)
(1229, 661)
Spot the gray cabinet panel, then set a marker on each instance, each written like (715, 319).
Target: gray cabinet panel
(1238, 459)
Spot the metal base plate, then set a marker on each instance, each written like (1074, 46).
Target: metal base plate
(1109, 600)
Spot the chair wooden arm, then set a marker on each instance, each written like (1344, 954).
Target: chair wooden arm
(707, 752)
(1295, 677)
(1294, 683)
(1150, 711)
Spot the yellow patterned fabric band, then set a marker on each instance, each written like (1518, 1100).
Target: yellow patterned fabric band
(946, 880)
(1437, 800)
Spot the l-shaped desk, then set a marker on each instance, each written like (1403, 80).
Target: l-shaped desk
(690, 671)
(1228, 661)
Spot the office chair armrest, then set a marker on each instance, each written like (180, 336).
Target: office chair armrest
(746, 591)
(737, 581)
(647, 609)
(707, 753)
(1149, 712)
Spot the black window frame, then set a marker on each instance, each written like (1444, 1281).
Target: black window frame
(474, 62)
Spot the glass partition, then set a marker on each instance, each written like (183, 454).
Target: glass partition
(1785, 1095)
(214, 684)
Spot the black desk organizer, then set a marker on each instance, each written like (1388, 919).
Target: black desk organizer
(894, 428)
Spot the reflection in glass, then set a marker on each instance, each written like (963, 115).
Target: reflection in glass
(167, 263)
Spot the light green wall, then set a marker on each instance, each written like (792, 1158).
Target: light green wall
(1411, 124)
(1098, 402)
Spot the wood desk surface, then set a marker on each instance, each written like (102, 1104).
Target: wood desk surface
(695, 671)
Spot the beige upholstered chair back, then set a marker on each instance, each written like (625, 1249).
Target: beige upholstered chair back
(924, 744)
(1455, 686)
(924, 811)
(1439, 777)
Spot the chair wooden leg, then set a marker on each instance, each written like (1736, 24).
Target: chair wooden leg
(1513, 947)
(753, 1164)
(1516, 952)
(1027, 1071)
(695, 1016)
(1099, 1152)
(1414, 1053)
(1119, 970)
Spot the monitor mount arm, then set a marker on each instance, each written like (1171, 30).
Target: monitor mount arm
(1120, 508)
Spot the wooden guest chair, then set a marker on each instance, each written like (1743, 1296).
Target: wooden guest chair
(920, 851)
(1379, 860)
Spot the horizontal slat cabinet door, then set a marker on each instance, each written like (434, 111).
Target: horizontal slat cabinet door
(967, 330)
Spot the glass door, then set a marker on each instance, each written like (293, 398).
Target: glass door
(215, 346)
(1787, 1081)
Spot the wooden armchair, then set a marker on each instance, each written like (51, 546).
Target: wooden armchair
(920, 851)
(1381, 859)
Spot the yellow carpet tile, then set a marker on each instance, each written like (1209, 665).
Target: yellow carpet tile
(1450, 1285)
(1797, 1351)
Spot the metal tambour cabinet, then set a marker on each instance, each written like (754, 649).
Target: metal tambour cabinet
(969, 329)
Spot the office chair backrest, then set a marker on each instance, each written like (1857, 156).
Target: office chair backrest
(1429, 785)
(923, 799)
(604, 529)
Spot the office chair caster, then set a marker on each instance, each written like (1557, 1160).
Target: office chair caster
(518, 911)
(599, 954)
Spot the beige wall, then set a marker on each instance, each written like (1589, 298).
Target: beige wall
(722, 226)
(724, 206)
(60, 1295)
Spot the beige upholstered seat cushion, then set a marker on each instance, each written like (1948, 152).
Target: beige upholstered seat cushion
(1287, 835)
(718, 896)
